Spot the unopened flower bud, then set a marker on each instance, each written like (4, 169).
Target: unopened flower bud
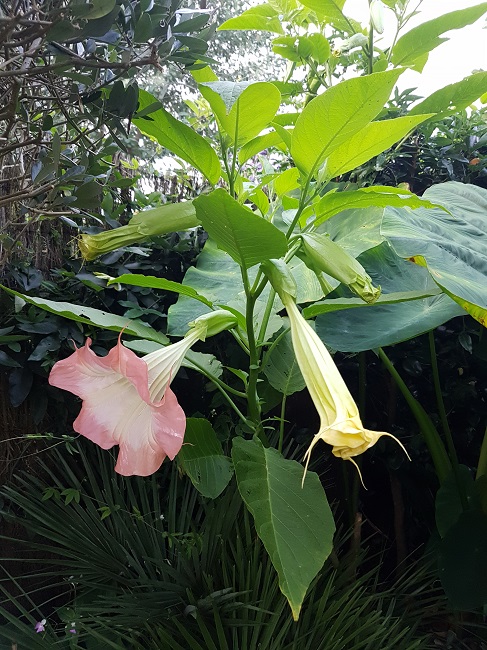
(325, 255)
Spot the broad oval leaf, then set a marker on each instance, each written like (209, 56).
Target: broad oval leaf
(370, 141)
(330, 119)
(260, 18)
(247, 238)
(330, 11)
(294, 521)
(178, 138)
(202, 459)
(281, 367)
(385, 322)
(243, 109)
(452, 246)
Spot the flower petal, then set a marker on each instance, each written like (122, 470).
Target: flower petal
(117, 408)
(152, 434)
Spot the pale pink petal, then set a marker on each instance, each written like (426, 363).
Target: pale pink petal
(84, 373)
(162, 430)
(117, 408)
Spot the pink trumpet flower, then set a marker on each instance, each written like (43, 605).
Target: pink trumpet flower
(127, 401)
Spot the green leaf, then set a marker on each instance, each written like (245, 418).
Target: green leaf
(258, 144)
(215, 274)
(92, 316)
(453, 247)
(370, 141)
(461, 561)
(281, 368)
(143, 29)
(247, 238)
(332, 118)
(448, 504)
(356, 230)
(386, 322)
(140, 280)
(286, 181)
(320, 48)
(411, 48)
(329, 10)
(381, 196)
(294, 521)
(202, 459)
(453, 97)
(261, 18)
(243, 109)
(178, 138)
(99, 8)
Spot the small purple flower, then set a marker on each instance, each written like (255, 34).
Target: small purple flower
(40, 626)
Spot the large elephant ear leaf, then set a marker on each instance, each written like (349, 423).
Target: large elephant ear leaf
(452, 246)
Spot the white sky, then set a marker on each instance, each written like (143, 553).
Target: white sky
(452, 61)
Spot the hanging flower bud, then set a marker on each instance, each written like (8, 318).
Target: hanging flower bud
(377, 16)
(146, 224)
(323, 254)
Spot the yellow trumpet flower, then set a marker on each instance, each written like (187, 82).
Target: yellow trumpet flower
(340, 423)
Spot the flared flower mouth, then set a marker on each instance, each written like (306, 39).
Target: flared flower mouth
(127, 400)
(340, 423)
(123, 405)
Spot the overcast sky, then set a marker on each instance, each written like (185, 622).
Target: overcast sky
(452, 61)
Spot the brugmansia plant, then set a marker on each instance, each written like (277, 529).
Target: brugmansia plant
(279, 243)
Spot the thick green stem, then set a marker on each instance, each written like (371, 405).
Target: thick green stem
(430, 434)
(282, 423)
(254, 354)
(482, 466)
(444, 420)
(370, 53)
(231, 180)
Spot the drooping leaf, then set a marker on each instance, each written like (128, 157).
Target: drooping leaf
(387, 321)
(93, 316)
(294, 521)
(140, 280)
(243, 109)
(281, 368)
(453, 247)
(202, 459)
(260, 18)
(247, 238)
(380, 196)
(370, 141)
(330, 119)
(412, 48)
(178, 138)
(453, 97)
